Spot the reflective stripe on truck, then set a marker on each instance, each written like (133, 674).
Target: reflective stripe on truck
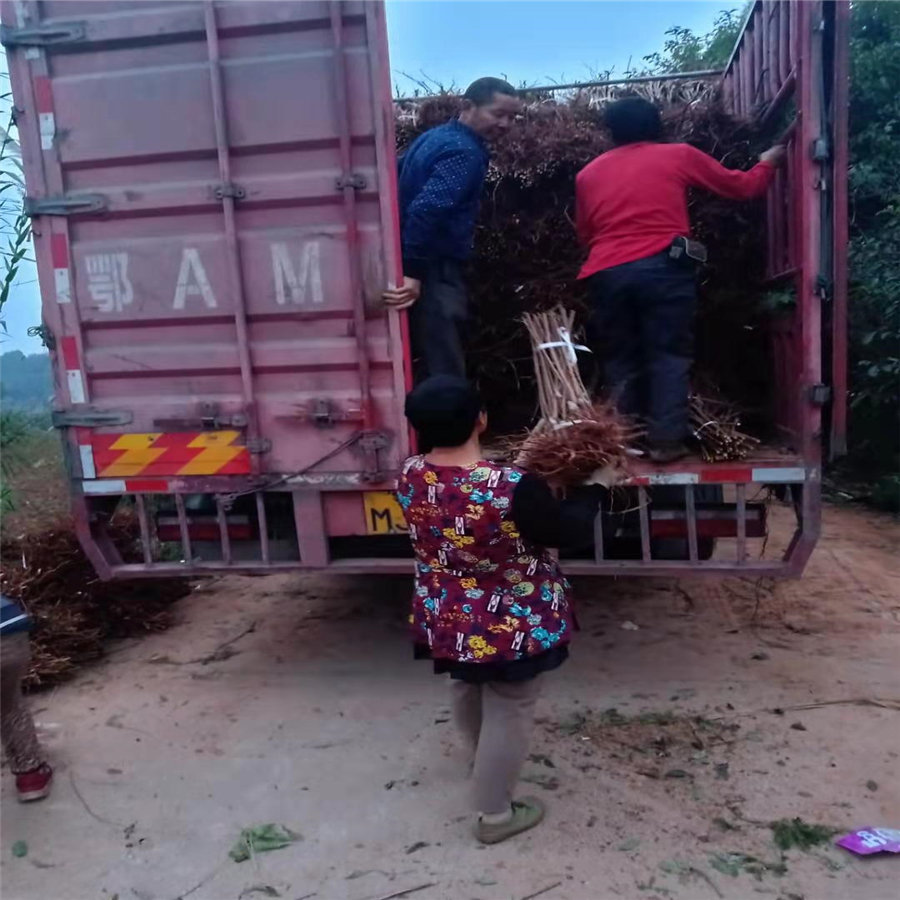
(159, 453)
(743, 475)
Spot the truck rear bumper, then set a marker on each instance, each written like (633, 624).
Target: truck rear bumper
(661, 524)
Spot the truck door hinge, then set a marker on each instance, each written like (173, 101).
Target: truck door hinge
(820, 150)
(91, 418)
(819, 394)
(42, 35)
(352, 180)
(323, 413)
(230, 190)
(64, 205)
(201, 424)
(373, 441)
(259, 445)
(207, 419)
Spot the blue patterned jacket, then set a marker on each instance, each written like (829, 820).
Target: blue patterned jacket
(441, 178)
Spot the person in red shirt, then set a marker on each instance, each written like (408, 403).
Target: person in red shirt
(632, 215)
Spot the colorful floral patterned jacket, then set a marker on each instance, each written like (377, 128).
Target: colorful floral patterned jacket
(483, 593)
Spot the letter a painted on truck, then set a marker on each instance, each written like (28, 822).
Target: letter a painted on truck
(192, 281)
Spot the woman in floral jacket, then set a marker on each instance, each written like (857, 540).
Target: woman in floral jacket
(491, 606)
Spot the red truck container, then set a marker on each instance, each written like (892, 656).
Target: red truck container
(214, 199)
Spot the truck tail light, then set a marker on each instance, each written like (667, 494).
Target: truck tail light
(204, 528)
(714, 521)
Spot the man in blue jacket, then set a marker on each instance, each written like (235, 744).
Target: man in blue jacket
(441, 179)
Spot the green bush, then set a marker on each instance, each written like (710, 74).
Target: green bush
(15, 427)
(875, 236)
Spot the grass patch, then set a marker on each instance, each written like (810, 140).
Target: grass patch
(734, 864)
(789, 833)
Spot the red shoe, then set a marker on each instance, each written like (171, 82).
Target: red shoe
(34, 785)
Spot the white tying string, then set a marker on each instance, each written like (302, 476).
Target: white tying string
(566, 341)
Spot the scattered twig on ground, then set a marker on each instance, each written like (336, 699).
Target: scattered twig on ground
(735, 810)
(220, 654)
(542, 891)
(702, 875)
(688, 599)
(265, 889)
(757, 590)
(206, 878)
(409, 891)
(87, 807)
(217, 654)
(878, 702)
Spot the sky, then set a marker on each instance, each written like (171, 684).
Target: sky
(533, 42)
(453, 42)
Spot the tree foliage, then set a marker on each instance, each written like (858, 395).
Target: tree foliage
(875, 233)
(685, 51)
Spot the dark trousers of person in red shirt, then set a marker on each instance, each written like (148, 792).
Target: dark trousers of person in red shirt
(642, 329)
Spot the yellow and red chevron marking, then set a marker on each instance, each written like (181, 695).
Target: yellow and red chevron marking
(172, 453)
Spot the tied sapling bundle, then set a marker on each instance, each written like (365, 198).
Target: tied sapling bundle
(575, 436)
(716, 425)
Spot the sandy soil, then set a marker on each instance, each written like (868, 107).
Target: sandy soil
(662, 751)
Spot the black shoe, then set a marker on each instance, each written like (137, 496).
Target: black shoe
(667, 451)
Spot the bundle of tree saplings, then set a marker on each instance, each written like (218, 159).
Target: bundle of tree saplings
(575, 436)
(716, 426)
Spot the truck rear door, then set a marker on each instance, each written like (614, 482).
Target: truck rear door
(789, 70)
(214, 194)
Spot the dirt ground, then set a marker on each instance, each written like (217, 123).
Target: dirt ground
(664, 751)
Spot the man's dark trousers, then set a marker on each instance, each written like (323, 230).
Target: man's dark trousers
(438, 320)
(642, 328)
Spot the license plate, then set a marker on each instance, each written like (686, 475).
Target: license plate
(384, 515)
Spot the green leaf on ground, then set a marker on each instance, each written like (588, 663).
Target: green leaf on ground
(629, 845)
(260, 839)
(20, 849)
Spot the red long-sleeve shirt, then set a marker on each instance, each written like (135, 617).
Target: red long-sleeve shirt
(631, 202)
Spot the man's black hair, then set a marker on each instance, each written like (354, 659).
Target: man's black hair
(633, 119)
(481, 92)
(443, 410)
